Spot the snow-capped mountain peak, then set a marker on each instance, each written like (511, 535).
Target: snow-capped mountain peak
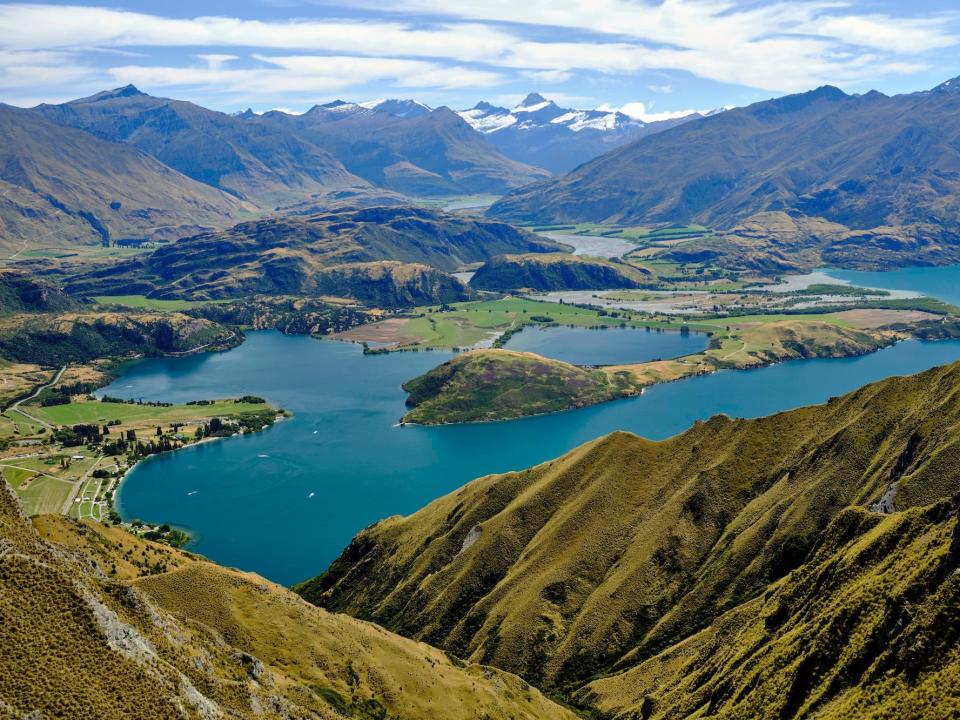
(535, 111)
(532, 100)
(399, 108)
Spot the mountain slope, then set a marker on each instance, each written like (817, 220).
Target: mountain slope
(294, 254)
(60, 185)
(101, 624)
(867, 628)
(624, 547)
(247, 158)
(864, 162)
(539, 132)
(416, 153)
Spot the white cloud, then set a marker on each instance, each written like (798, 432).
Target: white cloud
(215, 62)
(36, 69)
(306, 74)
(548, 76)
(66, 27)
(785, 45)
(663, 89)
(638, 110)
(782, 45)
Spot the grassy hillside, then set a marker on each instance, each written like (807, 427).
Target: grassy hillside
(601, 559)
(21, 292)
(55, 339)
(503, 384)
(292, 255)
(557, 272)
(778, 242)
(60, 186)
(867, 628)
(101, 624)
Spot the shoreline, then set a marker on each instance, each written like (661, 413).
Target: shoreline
(643, 387)
(111, 493)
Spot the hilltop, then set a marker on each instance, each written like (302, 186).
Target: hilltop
(102, 624)
(22, 292)
(503, 384)
(640, 557)
(80, 336)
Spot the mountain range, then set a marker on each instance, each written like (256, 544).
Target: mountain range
(539, 132)
(405, 147)
(859, 161)
(61, 185)
(184, 168)
(277, 158)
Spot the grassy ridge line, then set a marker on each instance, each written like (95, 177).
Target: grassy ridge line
(601, 559)
(759, 342)
(102, 625)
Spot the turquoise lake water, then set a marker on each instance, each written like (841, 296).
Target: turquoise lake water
(613, 346)
(939, 282)
(285, 502)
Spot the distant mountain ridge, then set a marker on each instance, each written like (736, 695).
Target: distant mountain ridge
(238, 154)
(276, 158)
(540, 132)
(406, 147)
(62, 186)
(860, 161)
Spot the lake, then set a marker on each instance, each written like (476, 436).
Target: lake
(286, 501)
(942, 282)
(613, 346)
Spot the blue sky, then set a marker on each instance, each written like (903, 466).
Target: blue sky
(652, 57)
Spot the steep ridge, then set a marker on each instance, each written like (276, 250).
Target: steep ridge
(867, 628)
(297, 254)
(100, 624)
(59, 185)
(256, 162)
(624, 547)
(863, 162)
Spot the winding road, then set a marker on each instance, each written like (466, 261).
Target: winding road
(16, 406)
